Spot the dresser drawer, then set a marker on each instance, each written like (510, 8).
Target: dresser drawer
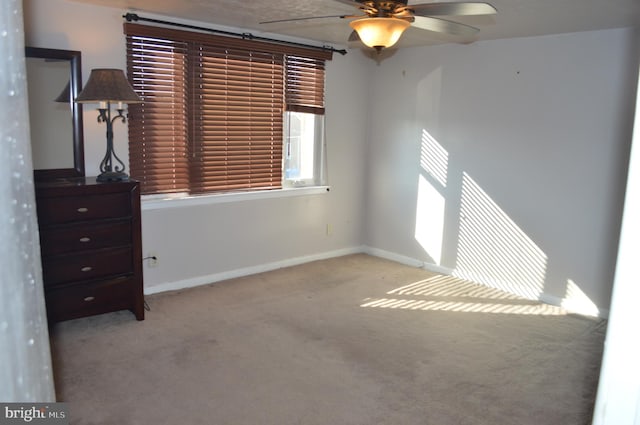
(89, 298)
(87, 265)
(82, 237)
(91, 246)
(68, 209)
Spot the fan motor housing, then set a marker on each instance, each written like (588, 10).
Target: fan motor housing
(384, 8)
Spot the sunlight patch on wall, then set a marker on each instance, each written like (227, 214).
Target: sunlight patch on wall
(429, 230)
(577, 301)
(449, 293)
(493, 250)
(430, 203)
(434, 159)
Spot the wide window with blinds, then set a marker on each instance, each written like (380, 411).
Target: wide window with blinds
(223, 114)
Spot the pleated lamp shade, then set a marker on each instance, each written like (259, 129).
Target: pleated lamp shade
(65, 94)
(108, 85)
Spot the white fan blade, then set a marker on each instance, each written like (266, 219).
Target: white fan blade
(444, 26)
(453, 9)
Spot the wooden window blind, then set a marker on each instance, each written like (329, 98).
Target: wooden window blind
(158, 155)
(236, 110)
(212, 113)
(304, 84)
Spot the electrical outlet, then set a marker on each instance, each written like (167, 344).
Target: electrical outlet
(329, 229)
(152, 259)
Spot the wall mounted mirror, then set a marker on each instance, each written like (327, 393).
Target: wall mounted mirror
(57, 140)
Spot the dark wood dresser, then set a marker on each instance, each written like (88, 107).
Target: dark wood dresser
(91, 247)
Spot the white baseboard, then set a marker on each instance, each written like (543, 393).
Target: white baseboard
(388, 255)
(408, 261)
(602, 313)
(439, 269)
(392, 256)
(247, 271)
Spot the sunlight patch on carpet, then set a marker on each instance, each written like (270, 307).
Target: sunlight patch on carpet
(449, 293)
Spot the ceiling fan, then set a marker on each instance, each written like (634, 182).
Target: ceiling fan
(381, 22)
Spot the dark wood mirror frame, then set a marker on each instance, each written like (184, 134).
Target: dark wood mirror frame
(75, 86)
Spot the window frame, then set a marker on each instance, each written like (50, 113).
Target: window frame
(300, 54)
(319, 153)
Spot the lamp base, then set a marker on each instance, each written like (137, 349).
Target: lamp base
(112, 176)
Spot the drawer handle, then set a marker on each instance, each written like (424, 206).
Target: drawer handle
(89, 299)
(82, 210)
(85, 239)
(86, 269)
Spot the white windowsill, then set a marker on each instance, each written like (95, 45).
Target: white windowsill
(155, 202)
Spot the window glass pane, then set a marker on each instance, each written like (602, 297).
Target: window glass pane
(303, 148)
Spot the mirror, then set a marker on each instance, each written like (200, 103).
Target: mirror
(57, 140)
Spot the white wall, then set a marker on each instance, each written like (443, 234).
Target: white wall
(505, 161)
(618, 401)
(199, 243)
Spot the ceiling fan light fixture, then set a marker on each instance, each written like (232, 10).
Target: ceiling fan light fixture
(379, 32)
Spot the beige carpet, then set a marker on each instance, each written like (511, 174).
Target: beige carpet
(351, 340)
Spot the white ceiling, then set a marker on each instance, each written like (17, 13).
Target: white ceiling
(515, 18)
